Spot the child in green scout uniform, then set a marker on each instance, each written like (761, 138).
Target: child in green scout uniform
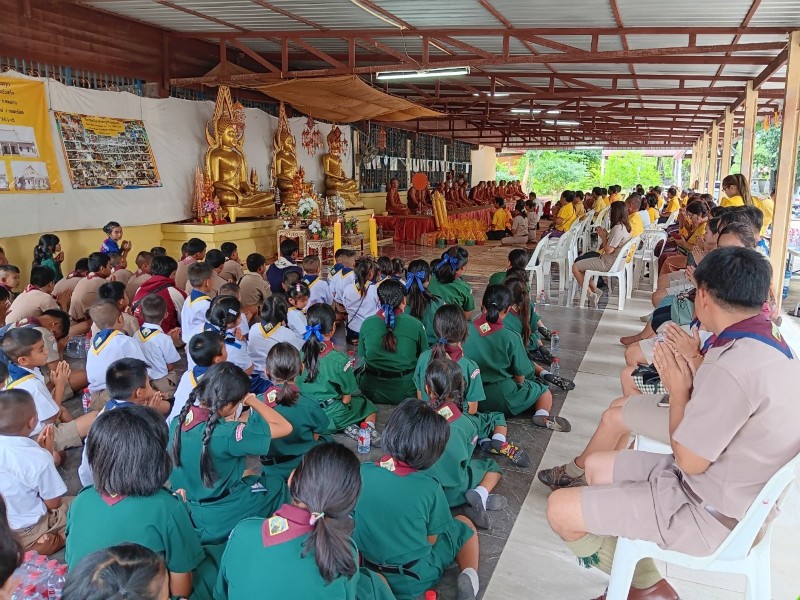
(307, 419)
(517, 259)
(507, 372)
(305, 550)
(420, 303)
(328, 378)
(465, 480)
(390, 343)
(210, 447)
(450, 326)
(447, 283)
(404, 528)
(525, 328)
(128, 502)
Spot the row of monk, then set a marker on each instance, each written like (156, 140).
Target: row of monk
(457, 194)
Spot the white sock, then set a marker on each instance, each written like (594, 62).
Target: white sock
(541, 413)
(500, 437)
(473, 577)
(544, 372)
(483, 493)
(370, 424)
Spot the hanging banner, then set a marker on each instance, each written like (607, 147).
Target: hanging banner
(103, 152)
(27, 160)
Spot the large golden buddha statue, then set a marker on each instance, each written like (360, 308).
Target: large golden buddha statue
(336, 183)
(226, 166)
(285, 165)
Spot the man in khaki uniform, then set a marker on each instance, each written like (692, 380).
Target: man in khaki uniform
(62, 292)
(232, 269)
(216, 260)
(36, 298)
(732, 427)
(143, 261)
(195, 251)
(85, 294)
(253, 288)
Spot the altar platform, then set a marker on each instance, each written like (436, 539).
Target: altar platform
(410, 228)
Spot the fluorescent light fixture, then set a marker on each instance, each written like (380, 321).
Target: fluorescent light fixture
(526, 111)
(553, 112)
(423, 74)
(562, 123)
(377, 15)
(495, 95)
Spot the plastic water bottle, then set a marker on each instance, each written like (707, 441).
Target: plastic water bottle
(87, 344)
(555, 343)
(86, 400)
(555, 368)
(787, 280)
(430, 595)
(55, 584)
(363, 438)
(542, 298)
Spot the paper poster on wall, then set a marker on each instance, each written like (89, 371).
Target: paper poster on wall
(103, 152)
(27, 159)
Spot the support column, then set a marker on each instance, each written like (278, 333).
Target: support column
(702, 164)
(727, 149)
(693, 167)
(713, 160)
(787, 165)
(749, 132)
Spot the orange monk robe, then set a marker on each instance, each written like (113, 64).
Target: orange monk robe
(414, 200)
(394, 206)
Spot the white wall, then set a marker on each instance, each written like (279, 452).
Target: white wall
(483, 164)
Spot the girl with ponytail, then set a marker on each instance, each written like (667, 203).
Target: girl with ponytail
(210, 446)
(360, 298)
(466, 481)
(306, 549)
(328, 378)
(447, 283)
(270, 330)
(48, 254)
(450, 326)
(736, 190)
(420, 303)
(307, 419)
(508, 375)
(297, 296)
(390, 343)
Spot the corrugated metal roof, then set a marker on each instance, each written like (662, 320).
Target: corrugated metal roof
(439, 13)
(676, 13)
(779, 13)
(556, 13)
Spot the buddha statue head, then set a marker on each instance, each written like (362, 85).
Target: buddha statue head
(227, 133)
(335, 140)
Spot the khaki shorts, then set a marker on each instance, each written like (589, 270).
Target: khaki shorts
(99, 400)
(53, 521)
(167, 384)
(643, 416)
(65, 435)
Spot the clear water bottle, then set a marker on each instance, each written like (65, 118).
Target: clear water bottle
(86, 400)
(555, 343)
(87, 344)
(542, 298)
(555, 368)
(787, 280)
(363, 438)
(76, 347)
(55, 584)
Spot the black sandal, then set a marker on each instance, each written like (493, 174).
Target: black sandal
(557, 380)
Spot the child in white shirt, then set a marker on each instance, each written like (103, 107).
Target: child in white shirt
(206, 348)
(271, 330)
(157, 347)
(360, 298)
(193, 313)
(319, 289)
(297, 296)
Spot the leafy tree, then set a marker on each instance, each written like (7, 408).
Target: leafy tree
(628, 169)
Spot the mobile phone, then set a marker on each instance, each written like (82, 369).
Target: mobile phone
(690, 261)
(664, 401)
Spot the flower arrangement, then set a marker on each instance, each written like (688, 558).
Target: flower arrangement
(307, 207)
(315, 227)
(351, 225)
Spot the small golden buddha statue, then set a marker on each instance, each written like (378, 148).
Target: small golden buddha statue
(226, 165)
(336, 184)
(285, 165)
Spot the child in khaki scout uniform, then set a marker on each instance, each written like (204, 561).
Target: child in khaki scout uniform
(465, 480)
(143, 261)
(507, 372)
(232, 269)
(309, 422)
(128, 502)
(157, 347)
(404, 528)
(31, 485)
(206, 349)
(420, 303)
(447, 283)
(85, 294)
(390, 343)
(36, 298)
(328, 378)
(450, 327)
(210, 448)
(283, 554)
(63, 289)
(195, 252)
(254, 288)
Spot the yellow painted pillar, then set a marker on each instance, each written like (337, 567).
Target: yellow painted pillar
(727, 148)
(749, 133)
(693, 165)
(784, 181)
(702, 164)
(713, 160)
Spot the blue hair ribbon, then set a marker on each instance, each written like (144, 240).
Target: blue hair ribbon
(418, 277)
(388, 315)
(451, 260)
(443, 341)
(314, 330)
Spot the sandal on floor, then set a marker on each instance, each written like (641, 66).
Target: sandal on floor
(545, 332)
(557, 380)
(552, 423)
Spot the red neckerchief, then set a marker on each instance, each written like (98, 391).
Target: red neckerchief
(454, 352)
(138, 273)
(327, 349)
(196, 416)
(272, 392)
(449, 411)
(756, 328)
(484, 327)
(112, 499)
(382, 314)
(93, 275)
(395, 466)
(75, 274)
(28, 322)
(288, 522)
(30, 287)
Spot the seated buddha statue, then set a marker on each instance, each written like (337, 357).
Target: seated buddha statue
(394, 206)
(336, 184)
(226, 167)
(286, 169)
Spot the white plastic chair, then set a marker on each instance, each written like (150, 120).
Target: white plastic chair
(670, 220)
(535, 269)
(601, 220)
(562, 252)
(620, 269)
(586, 231)
(646, 253)
(737, 554)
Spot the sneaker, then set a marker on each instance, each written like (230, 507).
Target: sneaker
(374, 437)
(545, 332)
(464, 590)
(351, 431)
(557, 380)
(475, 510)
(594, 298)
(511, 451)
(557, 478)
(552, 423)
(496, 502)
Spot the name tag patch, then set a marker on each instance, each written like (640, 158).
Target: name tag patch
(278, 525)
(240, 432)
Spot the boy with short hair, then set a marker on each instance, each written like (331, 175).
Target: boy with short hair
(232, 269)
(115, 291)
(193, 313)
(216, 260)
(320, 289)
(63, 289)
(119, 268)
(158, 251)
(162, 283)
(30, 484)
(342, 275)
(195, 251)
(36, 298)
(108, 345)
(128, 384)
(157, 347)
(142, 274)
(286, 262)
(25, 349)
(9, 277)
(207, 348)
(85, 294)
(254, 288)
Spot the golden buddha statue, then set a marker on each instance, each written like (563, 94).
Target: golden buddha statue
(285, 166)
(226, 166)
(336, 184)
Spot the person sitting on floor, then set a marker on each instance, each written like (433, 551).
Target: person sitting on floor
(519, 226)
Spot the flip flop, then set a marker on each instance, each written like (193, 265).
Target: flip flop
(557, 380)
(559, 424)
